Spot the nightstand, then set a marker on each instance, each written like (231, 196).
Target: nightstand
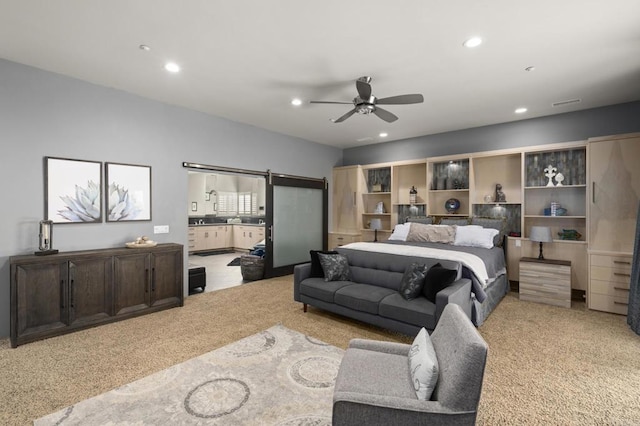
(545, 281)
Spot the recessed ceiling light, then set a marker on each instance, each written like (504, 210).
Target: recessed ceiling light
(384, 134)
(472, 42)
(521, 110)
(172, 67)
(296, 102)
(144, 47)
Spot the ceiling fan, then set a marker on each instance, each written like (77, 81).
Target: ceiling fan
(365, 103)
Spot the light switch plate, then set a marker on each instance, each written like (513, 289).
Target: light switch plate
(518, 243)
(161, 229)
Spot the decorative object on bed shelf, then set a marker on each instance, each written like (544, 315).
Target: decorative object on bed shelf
(540, 234)
(441, 183)
(488, 198)
(375, 225)
(550, 172)
(379, 208)
(559, 179)
(452, 205)
(46, 238)
(569, 234)
(500, 197)
(413, 194)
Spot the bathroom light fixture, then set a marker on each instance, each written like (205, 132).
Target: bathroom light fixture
(472, 42)
(172, 67)
(520, 110)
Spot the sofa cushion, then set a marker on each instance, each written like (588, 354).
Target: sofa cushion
(335, 267)
(418, 311)
(413, 280)
(437, 278)
(423, 365)
(316, 267)
(320, 289)
(362, 297)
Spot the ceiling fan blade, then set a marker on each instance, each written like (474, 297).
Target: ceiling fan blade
(385, 115)
(330, 102)
(401, 100)
(344, 117)
(364, 89)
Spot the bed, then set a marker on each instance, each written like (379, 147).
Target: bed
(483, 263)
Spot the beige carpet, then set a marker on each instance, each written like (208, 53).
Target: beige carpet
(546, 365)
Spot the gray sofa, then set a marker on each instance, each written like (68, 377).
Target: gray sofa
(372, 295)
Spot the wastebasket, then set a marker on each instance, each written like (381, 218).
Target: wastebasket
(251, 267)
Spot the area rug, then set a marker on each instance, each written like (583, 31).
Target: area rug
(275, 377)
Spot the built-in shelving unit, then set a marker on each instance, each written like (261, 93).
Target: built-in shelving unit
(448, 178)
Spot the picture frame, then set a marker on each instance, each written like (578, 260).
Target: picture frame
(73, 190)
(194, 206)
(127, 192)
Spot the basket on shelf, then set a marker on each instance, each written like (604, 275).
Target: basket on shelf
(251, 267)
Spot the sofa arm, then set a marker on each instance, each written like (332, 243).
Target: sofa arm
(458, 293)
(300, 273)
(380, 346)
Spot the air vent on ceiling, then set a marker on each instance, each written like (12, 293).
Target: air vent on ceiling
(563, 103)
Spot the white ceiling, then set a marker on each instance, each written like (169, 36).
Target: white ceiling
(246, 59)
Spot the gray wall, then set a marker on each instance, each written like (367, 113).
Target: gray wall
(574, 126)
(46, 114)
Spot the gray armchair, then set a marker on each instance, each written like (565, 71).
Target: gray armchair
(374, 387)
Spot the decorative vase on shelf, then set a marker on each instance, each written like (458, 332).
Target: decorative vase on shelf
(413, 193)
(452, 205)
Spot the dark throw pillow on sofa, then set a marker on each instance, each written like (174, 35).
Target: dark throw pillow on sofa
(437, 278)
(413, 280)
(335, 267)
(316, 267)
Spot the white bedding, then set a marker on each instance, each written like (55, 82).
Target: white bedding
(471, 261)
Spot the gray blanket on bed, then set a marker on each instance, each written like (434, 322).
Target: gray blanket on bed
(493, 259)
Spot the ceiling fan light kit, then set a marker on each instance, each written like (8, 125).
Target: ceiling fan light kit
(365, 103)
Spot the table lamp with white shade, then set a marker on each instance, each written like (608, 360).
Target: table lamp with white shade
(375, 225)
(540, 234)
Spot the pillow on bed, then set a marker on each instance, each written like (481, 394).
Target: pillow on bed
(495, 223)
(475, 236)
(431, 233)
(460, 221)
(316, 267)
(437, 278)
(413, 280)
(427, 220)
(335, 267)
(400, 232)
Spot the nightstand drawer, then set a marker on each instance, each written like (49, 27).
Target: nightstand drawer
(545, 282)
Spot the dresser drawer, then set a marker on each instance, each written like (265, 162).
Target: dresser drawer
(615, 275)
(618, 262)
(609, 288)
(602, 302)
(337, 240)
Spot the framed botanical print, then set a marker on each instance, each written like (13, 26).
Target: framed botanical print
(73, 190)
(127, 192)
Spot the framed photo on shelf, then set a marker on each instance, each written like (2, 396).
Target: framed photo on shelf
(72, 190)
(127, 192)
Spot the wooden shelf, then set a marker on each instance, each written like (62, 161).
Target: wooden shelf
(555, 187)
(376, 214)
(555, 217)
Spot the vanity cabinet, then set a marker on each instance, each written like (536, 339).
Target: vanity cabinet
(64, 292)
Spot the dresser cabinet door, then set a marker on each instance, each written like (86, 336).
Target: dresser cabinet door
(39, 299)
(132, 283)
(166, 278)
(90, 289)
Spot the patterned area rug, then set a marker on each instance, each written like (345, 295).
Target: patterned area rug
(275, 377)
